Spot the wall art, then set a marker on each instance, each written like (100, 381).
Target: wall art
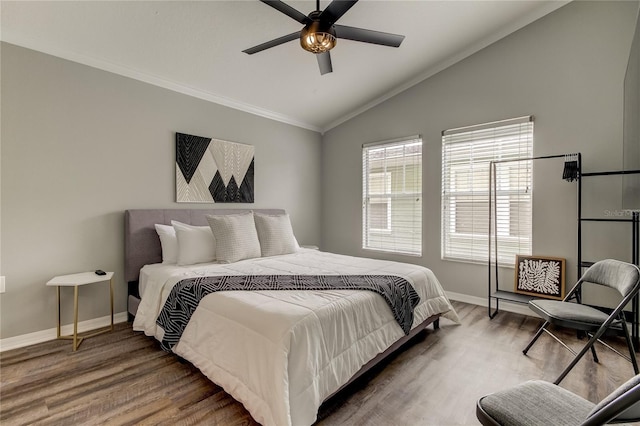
(213, 171)
(540, 276)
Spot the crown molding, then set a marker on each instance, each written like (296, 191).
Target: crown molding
(431, 71)
(44, 47)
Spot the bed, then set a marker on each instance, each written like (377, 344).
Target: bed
(279, 353)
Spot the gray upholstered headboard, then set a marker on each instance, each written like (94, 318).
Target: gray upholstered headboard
(141, 242)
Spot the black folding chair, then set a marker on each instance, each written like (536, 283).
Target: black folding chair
(622, 276)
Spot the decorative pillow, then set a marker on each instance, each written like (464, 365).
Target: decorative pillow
(195, 244)
(168, 242)
(275, 234)
(236, 237)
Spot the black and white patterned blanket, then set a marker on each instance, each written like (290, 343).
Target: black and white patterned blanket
(186, 295)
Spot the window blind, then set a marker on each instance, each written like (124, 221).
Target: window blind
(466, 156)
(392, 196)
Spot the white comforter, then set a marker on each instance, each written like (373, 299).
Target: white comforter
(281, 353)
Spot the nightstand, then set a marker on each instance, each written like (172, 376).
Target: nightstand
(75, 281)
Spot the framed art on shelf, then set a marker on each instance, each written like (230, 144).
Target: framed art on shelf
(540, 276)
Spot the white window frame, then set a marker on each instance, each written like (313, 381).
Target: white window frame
(401, 236)
(470, 151)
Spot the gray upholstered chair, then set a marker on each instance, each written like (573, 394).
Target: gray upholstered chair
(622, 276)
(540, 403)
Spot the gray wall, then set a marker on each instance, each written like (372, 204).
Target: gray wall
(79, 146)
(567, 70)
(631, 182)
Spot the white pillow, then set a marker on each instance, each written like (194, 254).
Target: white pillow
(235, 235)
(195, 244)
(168, 242)
(275, 234)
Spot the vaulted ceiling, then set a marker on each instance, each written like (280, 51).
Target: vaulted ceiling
(195, 47)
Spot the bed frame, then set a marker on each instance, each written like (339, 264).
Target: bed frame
(142, 244)
(142, 247)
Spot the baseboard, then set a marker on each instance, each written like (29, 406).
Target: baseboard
(517, 308)
(46, 335)
(50, 334)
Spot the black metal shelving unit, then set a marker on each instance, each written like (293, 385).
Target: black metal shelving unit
(507, 296)
(634, 221)
(495, 293)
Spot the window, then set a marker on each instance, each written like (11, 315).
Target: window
(466, 155)
(392, 196)
(380, 202)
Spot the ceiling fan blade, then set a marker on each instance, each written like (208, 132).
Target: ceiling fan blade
(324, 62)
(335, 10)
(273, 43)
(287, 10)
(368, 36)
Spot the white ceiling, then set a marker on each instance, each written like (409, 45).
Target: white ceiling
(195, 47)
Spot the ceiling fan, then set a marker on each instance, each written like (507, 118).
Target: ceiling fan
(320, 31)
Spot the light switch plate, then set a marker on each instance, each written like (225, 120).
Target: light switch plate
(2, 284)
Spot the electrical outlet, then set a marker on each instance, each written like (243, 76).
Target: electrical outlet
(1, 284)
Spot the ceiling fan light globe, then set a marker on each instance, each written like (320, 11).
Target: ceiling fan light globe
(316, 40)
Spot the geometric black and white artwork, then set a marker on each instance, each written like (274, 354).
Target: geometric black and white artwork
(213, 171)
(540, 276)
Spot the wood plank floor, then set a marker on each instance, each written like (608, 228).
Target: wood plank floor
(123, 378)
